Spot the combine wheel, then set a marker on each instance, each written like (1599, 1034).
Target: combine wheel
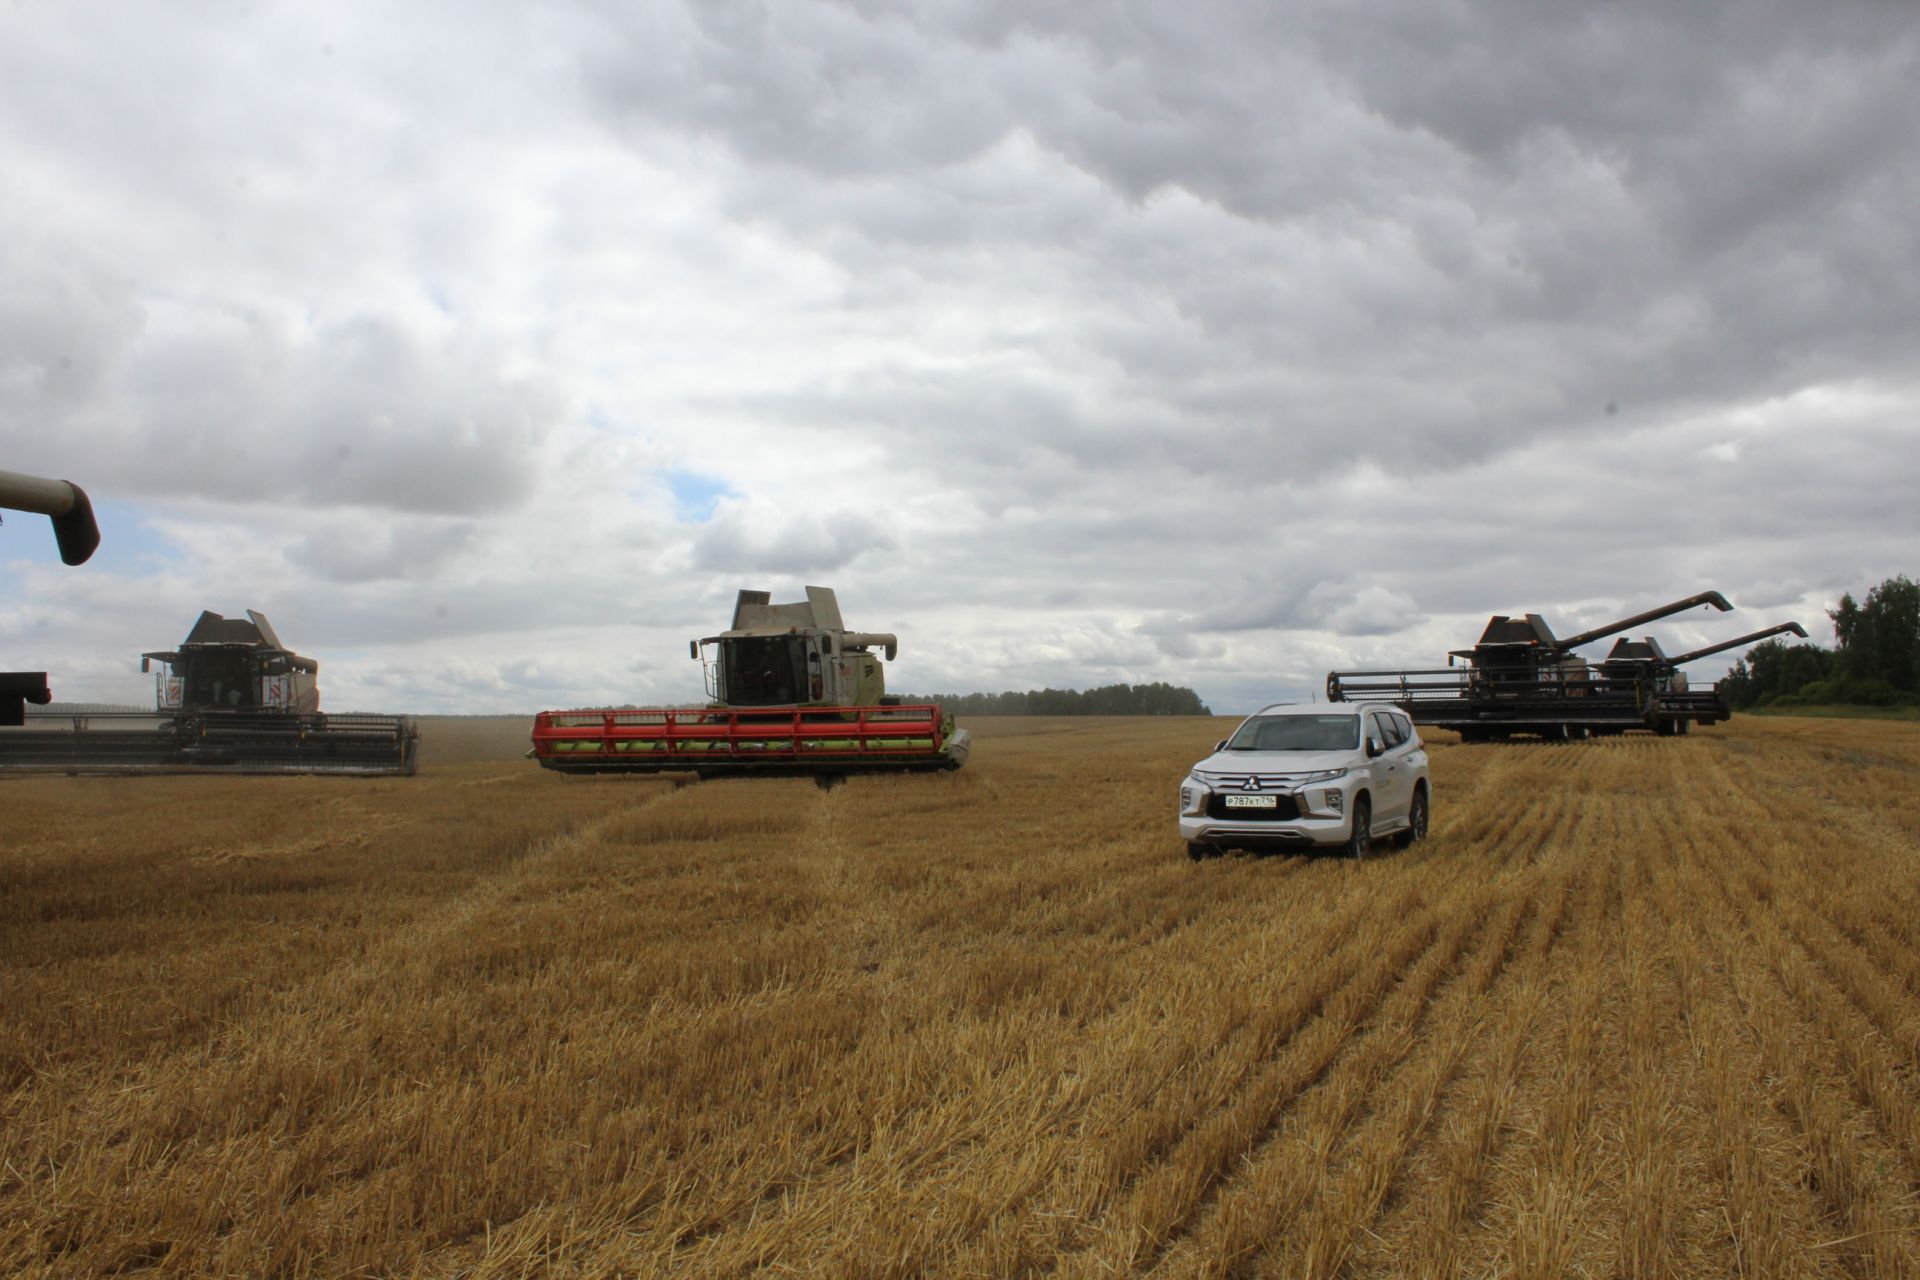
(1359, 845)
(1416, 819)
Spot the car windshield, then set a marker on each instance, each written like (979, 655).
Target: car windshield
(1297, 733)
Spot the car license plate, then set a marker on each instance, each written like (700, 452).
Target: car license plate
(1252, 802)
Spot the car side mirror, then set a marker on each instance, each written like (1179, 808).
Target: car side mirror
(1220, 745)
(1375, 747)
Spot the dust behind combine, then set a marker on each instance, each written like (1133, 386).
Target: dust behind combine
(1639, 1006)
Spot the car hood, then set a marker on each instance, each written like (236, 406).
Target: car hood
(1276, 761)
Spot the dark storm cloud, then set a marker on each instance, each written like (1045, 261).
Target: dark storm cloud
(1453, 230)
(1221, 342)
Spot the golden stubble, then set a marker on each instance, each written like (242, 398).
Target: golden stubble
(1639, 1007)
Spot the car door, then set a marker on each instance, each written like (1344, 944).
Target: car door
(1383, 771)
(1416, 753)
(1393, 773)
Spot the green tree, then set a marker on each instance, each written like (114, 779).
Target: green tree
(1773, 669)
(1879, 637)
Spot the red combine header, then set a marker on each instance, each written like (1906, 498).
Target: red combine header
(793, 691)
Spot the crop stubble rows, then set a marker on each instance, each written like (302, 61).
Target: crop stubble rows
(1639, 1007)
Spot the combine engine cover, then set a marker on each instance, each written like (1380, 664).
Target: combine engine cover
(790, 690)
(231, 698)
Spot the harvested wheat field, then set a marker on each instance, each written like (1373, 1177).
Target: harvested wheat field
(1640, 1007)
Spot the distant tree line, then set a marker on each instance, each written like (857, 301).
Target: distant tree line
(1157, 699)
(1875, 660)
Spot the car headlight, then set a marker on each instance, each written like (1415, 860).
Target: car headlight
(1326, 775)
(1199, 775)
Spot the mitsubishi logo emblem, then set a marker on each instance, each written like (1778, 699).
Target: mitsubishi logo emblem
(1252, 783)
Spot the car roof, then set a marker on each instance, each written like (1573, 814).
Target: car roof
(1310, 709)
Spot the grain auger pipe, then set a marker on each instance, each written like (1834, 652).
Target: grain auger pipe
(1713, 598)
(74, 527)
(1724, 645)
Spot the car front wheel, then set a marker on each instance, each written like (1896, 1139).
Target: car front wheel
(1360, 843)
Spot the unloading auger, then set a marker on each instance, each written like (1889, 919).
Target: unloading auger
(791, 690)
(77, 534)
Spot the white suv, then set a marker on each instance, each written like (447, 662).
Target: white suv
(1320, 775)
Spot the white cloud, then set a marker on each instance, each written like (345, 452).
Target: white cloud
(1220, 345)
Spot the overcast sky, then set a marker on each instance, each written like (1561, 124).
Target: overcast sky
(490, 349)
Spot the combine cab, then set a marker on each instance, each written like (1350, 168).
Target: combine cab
(232, 698)
(792, 691)
(1521, 679)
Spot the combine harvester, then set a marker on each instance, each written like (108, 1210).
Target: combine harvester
(231, 699)
(77, 534)
(1521, 679)
(792, 692)
(1643, 663)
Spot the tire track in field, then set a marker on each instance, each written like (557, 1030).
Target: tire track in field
(1875, 989)
(1778, 821)
(1875, 1066)
(1486, 1133)
(1535, 950)
(1364, 1167)
(1874, 1223)
(1831, 795)
(1543, 1186)
(1523, 805)
(1512, 1148)
(1768, 1219)
(1897, 964)
(1355, 909)
(1222, 1203)
(250, 1081)
(1862, 1032)
(1790, 1052)
(1470, 1130)
(1167, 1208)
(1118, 1168)
(781, 1201)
